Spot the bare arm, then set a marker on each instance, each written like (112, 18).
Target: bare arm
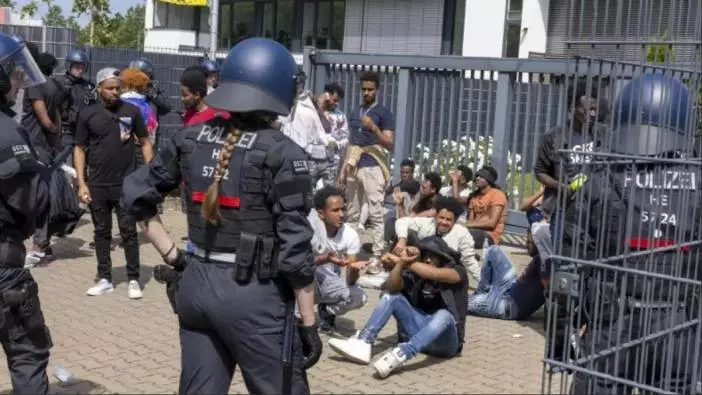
(385, 137)
(395, 283)
(494, 214)
(431, 213)
(431, 272)
(352, 274)
(40, 109)
(79, 163)
(147, 149)
(531, 201)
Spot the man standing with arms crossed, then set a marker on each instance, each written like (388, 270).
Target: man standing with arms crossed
(372, 128)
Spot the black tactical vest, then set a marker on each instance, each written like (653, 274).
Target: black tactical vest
(245, 191)
(639, 207)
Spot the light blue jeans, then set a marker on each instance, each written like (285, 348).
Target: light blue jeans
(496, 278)
(433, 334)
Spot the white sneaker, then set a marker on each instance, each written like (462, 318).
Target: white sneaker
(134, 290)
(101, 287)
(352, 348)
(374, 266)
(33, 258)
(390, 361)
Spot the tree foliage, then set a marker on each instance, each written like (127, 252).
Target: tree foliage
(104, 28)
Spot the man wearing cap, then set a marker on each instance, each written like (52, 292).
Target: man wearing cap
(487, 209)
(104, 146)
(426, 293)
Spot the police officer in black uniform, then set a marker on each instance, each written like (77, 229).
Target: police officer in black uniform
(249, 193)
(23, 193)
(656, 204)
(157, 100)
(211, 72)
(80, 93)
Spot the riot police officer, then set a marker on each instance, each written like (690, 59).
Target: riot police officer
(157, 100)
(24, 193)
(645, 201)
(249, 193)
(211, 72)
(79, 93)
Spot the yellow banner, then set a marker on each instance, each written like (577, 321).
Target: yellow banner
(187, 3)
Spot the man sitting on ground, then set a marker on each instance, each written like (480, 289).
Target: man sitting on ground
(501, 294)
(426, 293)
(448, 210)
(336, 245)
(487, 209)
(423, 204)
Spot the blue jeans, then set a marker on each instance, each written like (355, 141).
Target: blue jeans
(434, 334)
(496, 278)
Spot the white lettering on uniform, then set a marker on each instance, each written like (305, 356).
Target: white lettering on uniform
(215, 153)
(670, 180)
(20, 149)
(579, 158)
(212, 134)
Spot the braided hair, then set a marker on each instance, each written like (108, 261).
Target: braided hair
(210, 207)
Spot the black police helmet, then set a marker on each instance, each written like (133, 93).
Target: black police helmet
(258, 74)
(144, 65)
(77, 56)
(210, 66)
(652, 116)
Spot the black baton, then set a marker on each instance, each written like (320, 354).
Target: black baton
(288, 339)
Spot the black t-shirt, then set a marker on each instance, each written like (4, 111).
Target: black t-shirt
(548, 158)
(527, 292)
(108, 135)
(52, 94)
(431, 296)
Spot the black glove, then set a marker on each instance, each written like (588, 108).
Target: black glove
(179, 262)
(311, 345)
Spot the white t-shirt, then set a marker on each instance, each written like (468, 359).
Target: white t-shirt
(345, 241)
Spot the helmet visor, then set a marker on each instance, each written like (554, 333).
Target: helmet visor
(22, 69)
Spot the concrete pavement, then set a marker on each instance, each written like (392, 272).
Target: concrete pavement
(115, 345)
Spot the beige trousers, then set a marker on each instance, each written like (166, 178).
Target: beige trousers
(368, 187)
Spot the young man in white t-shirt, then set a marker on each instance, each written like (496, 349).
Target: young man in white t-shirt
(336, 245)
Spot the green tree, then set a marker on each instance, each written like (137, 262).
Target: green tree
(122, 31)
(7, 3)
(99, 11)
(55, 18)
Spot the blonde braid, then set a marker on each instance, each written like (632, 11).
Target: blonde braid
(210, 207)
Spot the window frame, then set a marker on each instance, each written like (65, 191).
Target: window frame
(195, 20)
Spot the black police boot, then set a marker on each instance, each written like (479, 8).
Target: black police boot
(327, 321)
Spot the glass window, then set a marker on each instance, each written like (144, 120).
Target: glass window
(308, 20)
(338, 15)
(204, 19)
(323, 23)
(514, 10)
(284, 23)
(512, 39)
(225, 26)
(268, 20)
(170, 16)
(243, 25)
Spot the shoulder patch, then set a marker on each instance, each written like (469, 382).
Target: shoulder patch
(301, 167)
(247, 140)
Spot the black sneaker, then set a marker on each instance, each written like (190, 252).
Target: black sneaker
(327, 321)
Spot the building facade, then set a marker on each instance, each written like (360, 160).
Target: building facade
(494, 28)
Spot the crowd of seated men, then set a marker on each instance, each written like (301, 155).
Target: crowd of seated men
(434, 278)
